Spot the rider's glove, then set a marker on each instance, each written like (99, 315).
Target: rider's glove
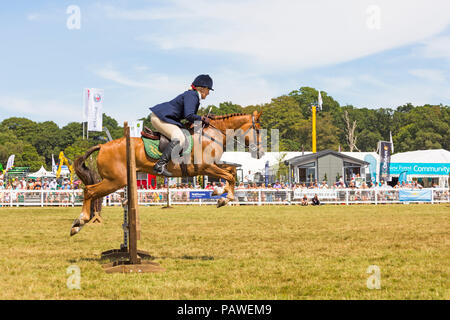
(206, 120)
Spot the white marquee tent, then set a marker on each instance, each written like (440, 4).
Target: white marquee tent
(422, 156)
(41, 173)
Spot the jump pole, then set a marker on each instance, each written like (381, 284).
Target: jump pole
(134, 264)
(168, 206)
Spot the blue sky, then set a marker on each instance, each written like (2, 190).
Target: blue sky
(365, 53)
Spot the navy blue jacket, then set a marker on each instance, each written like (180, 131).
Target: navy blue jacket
(184, 106)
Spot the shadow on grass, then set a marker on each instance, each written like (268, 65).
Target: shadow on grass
(124, 256)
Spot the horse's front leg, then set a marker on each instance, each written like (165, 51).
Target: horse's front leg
(230, 184)
(91, 193)
(228, 175)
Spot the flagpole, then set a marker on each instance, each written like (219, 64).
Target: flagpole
(314, 147)
(314, 133)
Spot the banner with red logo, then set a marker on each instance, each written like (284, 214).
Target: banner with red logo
(385, 160)
(92, 110)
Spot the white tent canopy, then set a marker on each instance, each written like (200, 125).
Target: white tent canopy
(422, 156)
(41, 173)
(252, 165)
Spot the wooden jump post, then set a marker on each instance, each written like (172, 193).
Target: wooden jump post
(128, 249)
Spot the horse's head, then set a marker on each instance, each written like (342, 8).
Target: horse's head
(253, 136)
(245, 128)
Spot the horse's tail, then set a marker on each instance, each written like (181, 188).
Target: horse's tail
(83, 172)
(88, 176)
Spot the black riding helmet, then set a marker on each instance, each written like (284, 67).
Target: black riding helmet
(203, 80)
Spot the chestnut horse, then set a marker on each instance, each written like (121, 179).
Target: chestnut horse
(204, 159)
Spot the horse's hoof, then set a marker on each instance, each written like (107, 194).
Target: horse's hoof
(74, 231)
(221, 202)
(76, 223)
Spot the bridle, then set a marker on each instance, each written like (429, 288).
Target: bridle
(254, 147)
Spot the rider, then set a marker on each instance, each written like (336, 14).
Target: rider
(166, 117)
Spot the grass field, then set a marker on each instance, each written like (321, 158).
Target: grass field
(247, 252)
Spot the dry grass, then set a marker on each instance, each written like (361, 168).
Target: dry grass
(247, 252)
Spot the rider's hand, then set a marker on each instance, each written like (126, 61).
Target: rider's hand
(206, 120)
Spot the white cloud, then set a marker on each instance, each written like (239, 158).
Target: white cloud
(154, 81)
(388, 92)
(241, 88)
(432, 75)
(33, 16)
(291, 34)
(436, 47)
(40, 110)
(337, 83)
(230, 85)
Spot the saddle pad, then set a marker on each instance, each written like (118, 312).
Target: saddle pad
(152, 147)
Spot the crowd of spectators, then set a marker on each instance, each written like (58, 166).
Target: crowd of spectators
(37, 184)
(28, 189)
(358, 190)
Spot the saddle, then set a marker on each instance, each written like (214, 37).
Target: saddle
(153, 135)
(164, 141)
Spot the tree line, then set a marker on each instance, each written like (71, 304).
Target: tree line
(345, 127)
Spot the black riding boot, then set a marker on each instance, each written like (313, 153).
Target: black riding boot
(160, 166)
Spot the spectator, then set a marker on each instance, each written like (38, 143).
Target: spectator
(248, 178)
(37, 185)
(30, 185)
(277, 185)
(53, 184)
(324, 185)
(315, 201)
(304, 201)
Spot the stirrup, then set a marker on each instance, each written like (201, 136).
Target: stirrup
(161, 170)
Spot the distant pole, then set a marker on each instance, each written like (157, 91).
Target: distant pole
(314, 147)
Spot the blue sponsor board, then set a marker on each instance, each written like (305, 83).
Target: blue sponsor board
(420, 168)
(193, 195)
(415, 195)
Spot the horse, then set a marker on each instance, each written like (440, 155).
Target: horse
(204, 159)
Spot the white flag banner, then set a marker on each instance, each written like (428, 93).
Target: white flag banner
(136, 128)
(54, 167)
(392, 142)
(10, 163)
(95, 103)
(86, 97)
(320, 101)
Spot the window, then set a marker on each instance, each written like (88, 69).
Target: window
(307, 172)
(351, 170)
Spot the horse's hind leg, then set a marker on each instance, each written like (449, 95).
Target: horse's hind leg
(92, 192)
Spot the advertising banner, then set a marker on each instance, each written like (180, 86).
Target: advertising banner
(204, 195)
(92, 110)
(385, 160)
(136, 128)
(322, 194)
(442, 169)
(415, 195)
(372, 167)
(10, 163)
(402, 178)
(266, 174)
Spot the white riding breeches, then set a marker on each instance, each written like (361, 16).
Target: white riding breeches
(171, 131)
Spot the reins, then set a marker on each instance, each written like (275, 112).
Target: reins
(255, 133)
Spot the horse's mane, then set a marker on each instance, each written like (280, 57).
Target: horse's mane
(225, 116)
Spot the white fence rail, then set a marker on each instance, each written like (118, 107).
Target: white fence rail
(16, 198)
